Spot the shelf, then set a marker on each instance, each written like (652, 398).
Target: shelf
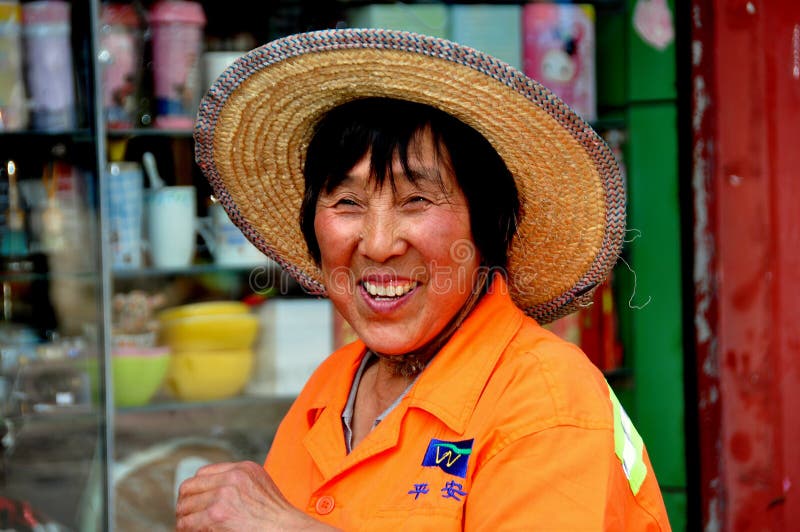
(240, 401)
(149, 132)
(50, 415)
(80, 413)
(51, 420)
(75, 135)
(30, 148)
(195, 269)
(59, 276)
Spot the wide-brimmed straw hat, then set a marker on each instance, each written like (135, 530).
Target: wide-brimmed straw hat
(256, 120)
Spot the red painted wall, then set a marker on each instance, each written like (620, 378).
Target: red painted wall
(746, 182)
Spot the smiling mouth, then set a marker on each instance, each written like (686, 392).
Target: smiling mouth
(388, 292)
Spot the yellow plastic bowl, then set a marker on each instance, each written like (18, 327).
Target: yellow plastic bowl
(204, 308)
(211, 332)
(209, 375)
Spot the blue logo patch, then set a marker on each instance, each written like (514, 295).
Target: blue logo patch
(451, 456)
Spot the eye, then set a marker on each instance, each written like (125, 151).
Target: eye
(417, 200)
(345, 202)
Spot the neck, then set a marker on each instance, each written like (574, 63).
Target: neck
(411, 364)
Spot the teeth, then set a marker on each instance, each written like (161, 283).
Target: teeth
(391, 290)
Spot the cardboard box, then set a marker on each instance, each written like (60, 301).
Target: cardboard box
(494, 29)
(428, 19)
(296, 335)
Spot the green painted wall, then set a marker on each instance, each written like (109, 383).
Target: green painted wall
(651, 302)
(652, 71)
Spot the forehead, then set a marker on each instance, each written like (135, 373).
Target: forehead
(422, 172)
(425, 162)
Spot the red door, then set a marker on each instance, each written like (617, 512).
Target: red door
(746, 189)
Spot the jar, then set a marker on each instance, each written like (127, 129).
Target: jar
(46, 28)
(120, 57)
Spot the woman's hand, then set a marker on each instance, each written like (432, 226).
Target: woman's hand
(237, 496)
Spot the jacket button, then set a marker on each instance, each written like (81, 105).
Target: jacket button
(325, 505)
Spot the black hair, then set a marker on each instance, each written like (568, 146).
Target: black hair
(387, 127)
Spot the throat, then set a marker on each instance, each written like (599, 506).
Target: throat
(406, 365)
(377, 394)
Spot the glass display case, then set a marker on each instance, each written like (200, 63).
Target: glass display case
(53, 329)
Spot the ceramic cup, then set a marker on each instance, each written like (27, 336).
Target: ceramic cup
(171, 226)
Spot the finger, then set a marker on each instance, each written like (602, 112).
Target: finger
(195, 503)
(213, 469)
(199, 521)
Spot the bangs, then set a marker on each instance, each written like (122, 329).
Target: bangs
(357, 128)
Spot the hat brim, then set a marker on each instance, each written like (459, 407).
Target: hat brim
(256, 120)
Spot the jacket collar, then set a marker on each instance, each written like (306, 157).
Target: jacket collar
(449, 387)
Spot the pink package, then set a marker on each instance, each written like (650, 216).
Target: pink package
(559, 52)
(177, 46)
(121, 59)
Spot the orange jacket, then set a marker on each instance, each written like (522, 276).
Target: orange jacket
(508, 428)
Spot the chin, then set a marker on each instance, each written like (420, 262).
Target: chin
(384, 347)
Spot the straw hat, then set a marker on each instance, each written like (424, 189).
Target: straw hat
(256, 120)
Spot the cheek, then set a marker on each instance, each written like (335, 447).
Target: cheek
(447, 238)
(330, 235)
(335, 242)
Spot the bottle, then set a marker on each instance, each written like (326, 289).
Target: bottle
(16, 266)
(46, 29)
(13, 114)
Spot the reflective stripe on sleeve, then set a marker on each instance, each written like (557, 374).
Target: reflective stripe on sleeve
(628, 445)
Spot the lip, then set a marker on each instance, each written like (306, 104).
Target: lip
(385, 278)
(387, 306)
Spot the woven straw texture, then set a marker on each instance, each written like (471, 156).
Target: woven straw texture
(255, 123)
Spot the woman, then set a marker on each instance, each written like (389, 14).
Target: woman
(444, 199)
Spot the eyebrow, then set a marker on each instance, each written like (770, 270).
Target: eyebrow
(414, 175)
(425, 173)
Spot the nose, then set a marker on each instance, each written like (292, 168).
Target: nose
(382, 235)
